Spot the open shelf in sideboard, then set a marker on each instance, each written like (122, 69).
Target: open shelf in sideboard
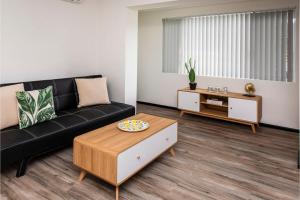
(234, 107)
(224, 105)
(214, 112)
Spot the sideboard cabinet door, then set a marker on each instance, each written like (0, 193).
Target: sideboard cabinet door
(242, 109)
(189, 101)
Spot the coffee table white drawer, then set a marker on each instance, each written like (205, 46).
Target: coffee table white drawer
(136, 157)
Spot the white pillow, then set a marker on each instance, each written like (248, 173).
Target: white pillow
(9, 105)
(92, 91)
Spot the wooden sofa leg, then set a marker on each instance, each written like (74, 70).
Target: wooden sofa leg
(22, 167)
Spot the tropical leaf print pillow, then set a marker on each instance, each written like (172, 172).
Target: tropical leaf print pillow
(35, 106)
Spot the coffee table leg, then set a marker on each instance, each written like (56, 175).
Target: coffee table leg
(117, 192)
(172, 152)
(82, 175)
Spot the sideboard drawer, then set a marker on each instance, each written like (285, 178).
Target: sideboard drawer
(189, 101)
(136, 157)
(243, 109)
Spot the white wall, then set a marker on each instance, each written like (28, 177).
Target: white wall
(131, 46)
(48, 39)
(114, 22)
(280, 100)
(45, 39)
(298, 64)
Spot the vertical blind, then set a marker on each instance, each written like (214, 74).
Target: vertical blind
(254, 45)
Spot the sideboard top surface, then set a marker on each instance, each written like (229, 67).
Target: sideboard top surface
(228, 94)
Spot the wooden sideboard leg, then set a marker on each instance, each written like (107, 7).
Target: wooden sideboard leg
(172, 152)
(181, 113)
(82, 175)
(253, 128)
(117, 192)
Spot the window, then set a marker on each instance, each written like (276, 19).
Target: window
(254, 45)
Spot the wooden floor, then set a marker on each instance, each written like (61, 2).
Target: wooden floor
(214, 160)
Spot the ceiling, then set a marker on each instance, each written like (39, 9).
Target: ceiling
(169, 4)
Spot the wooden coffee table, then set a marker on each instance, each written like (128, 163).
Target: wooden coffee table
(114, 155)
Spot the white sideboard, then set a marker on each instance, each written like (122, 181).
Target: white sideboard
(235, 107)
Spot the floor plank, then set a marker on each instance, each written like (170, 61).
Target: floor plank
(214, 160)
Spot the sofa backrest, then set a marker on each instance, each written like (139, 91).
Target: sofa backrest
(64, 90)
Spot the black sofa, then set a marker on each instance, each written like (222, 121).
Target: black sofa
(22, 145)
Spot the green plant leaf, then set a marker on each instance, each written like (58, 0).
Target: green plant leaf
(26, 102)
(45, 114)
(192, 75)
(190, 62)
(187, 67)
(25, 120)
(45, 97)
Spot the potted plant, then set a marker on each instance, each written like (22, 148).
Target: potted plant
(191, 72)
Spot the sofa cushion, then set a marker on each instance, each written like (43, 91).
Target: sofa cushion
(8, 105)
(35, 106)
(92, 91)
(59, 131)
(14, 136)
